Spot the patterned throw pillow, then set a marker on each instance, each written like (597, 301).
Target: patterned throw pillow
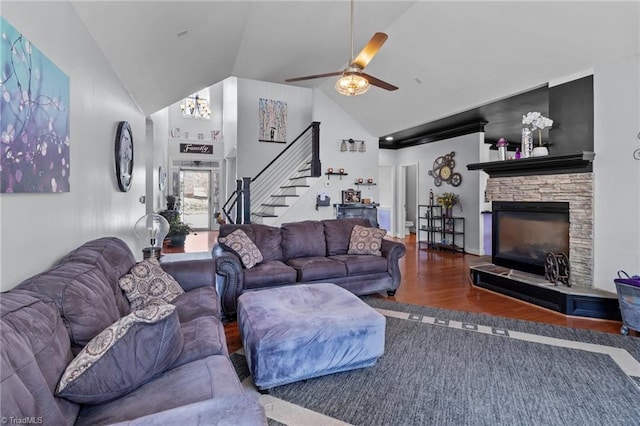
(147, 284)
(366, 240)
(239, 242)
(124, 356)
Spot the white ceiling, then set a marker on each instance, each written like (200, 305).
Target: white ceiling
(465, 53)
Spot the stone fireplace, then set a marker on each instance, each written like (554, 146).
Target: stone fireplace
(576, 189)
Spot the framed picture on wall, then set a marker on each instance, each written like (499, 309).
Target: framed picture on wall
(351, 196)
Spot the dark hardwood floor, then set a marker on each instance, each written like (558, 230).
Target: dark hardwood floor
(440, 279)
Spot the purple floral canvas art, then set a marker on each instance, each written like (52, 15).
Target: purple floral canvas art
(34, 109)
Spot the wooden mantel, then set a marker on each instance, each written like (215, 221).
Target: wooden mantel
(580, 162)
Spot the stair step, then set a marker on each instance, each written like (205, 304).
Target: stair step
(294, 186)
(299, 177)
(264, 215)
(283, 196)
(308, 169)
(275, 205)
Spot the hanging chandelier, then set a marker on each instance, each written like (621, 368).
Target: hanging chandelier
(195, 107)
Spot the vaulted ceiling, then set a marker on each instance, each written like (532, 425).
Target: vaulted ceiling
(446, 56)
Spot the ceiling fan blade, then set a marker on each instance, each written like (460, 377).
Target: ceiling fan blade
(379, 83)
(369, 51)
(309, 77)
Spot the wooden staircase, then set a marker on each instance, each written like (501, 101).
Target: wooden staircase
(284, 196)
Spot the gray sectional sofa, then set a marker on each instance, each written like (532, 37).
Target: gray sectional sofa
(305, 252)
(47, 319)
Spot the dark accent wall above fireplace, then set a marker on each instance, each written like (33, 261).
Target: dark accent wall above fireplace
(569, 105)
(571, 109)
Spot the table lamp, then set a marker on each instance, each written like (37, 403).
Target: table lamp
(151, 229)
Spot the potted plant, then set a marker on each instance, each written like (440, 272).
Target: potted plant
(538, 122)
(178, 231)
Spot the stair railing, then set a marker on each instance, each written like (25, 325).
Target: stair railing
(302, 153)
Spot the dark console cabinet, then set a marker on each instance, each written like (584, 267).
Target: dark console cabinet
(366, 211)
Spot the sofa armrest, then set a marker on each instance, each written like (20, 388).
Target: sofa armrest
(229, 279)
(191, 270)
(230, 410)
(393, 251)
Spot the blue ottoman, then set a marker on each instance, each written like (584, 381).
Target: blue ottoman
(302, 331)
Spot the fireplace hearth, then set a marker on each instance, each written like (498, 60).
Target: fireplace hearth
(576, 190)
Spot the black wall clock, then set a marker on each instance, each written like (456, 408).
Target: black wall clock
(443, 171)
(124, 156)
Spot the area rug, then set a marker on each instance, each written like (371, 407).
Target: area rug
(444, 367)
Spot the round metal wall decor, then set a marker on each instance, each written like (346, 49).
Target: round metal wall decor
(124, 156)
(443, 171)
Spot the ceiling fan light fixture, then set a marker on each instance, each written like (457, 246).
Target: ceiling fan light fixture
(352, 85)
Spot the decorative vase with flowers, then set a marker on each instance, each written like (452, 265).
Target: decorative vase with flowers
(538, 122)
(448, 201)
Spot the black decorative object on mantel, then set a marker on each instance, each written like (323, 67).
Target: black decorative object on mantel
(580, 162)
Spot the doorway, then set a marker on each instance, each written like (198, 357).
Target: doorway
(199, 195)
(408, 194)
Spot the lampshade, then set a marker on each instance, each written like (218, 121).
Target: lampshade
(151, 229)
(351, 84)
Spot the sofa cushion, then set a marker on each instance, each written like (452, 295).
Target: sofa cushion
(358, 264)
(242, 245)
(114, 258)
(82, 295)
(337, 233)
(317, 268)
(366, 240)
(268, 239)
(35, 351)
(196, 303)
(269, 274)
(124, 356)
(148, 284)
(303, 239)
(203, 336)
(199, 380)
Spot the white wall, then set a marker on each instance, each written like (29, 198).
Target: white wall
(252, 155)
(467, 150)
(230, 118)
(156, 198)
(617, 174)
(38, 229)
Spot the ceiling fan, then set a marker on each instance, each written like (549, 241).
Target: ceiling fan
(354, 81)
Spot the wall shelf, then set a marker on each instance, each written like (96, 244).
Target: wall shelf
(329, 174)
(580, 162)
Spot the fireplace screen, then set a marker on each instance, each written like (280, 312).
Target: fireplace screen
(524, 232)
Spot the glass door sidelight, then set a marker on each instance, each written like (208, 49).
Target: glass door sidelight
(195, 198)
